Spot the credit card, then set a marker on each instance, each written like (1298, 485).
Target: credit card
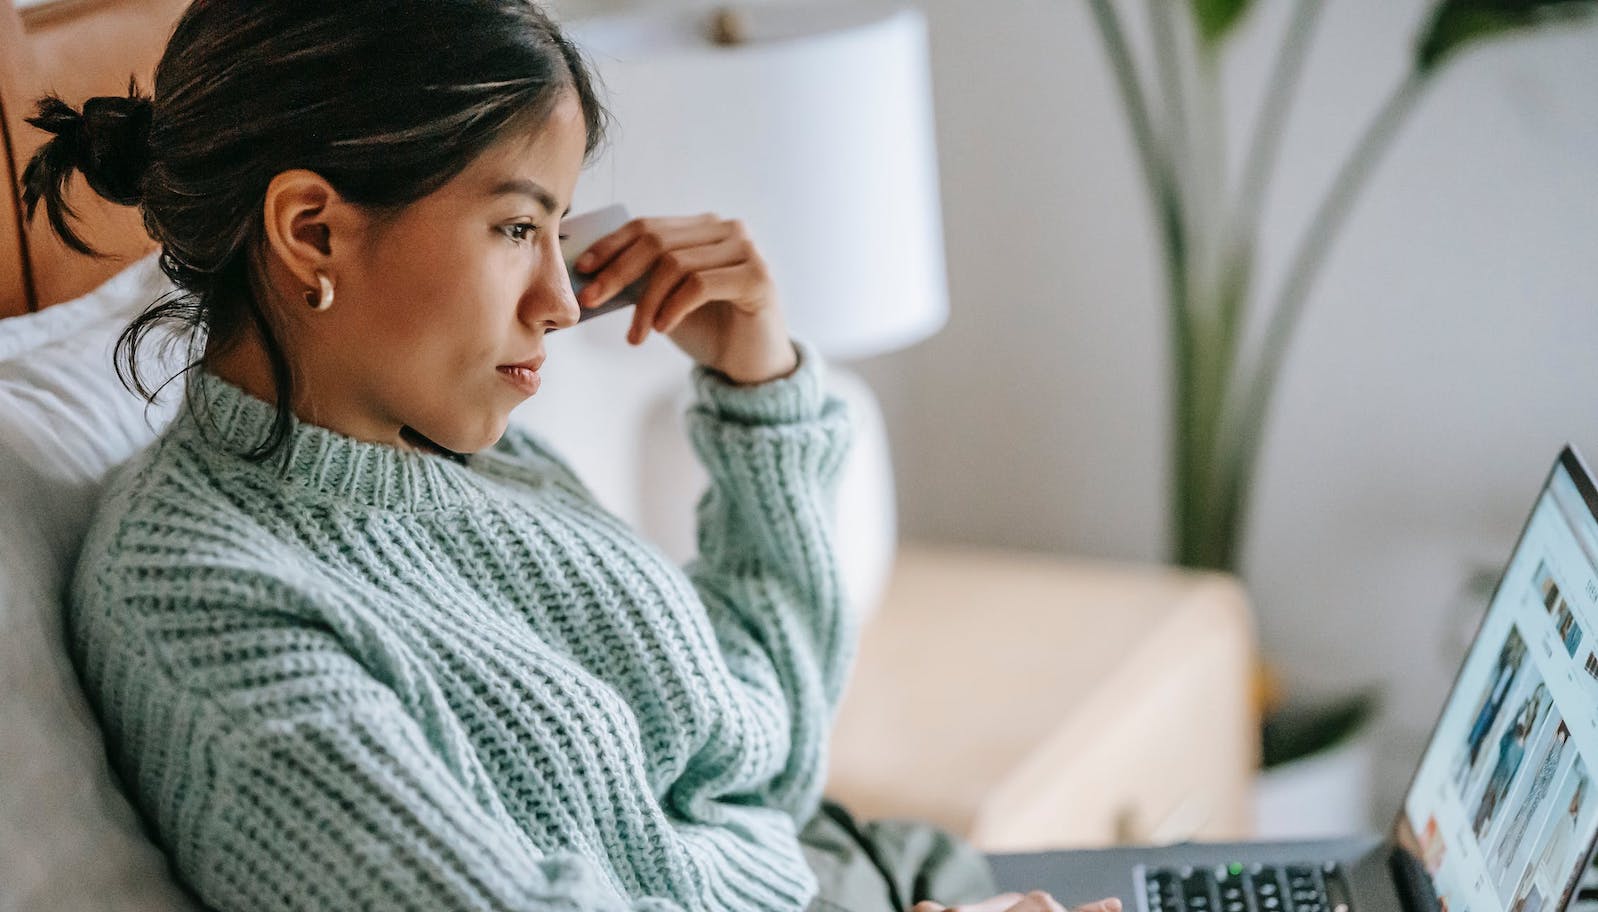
(582, 231)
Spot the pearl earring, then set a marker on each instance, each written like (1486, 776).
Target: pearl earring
(326, 299)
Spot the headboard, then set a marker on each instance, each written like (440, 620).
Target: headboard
(77, 49)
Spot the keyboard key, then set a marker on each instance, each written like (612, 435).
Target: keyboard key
(1337, 897)
(1253, 887)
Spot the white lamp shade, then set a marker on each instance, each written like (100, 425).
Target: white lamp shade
(816, 132)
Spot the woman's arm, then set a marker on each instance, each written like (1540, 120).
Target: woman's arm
(352, 808)
(282, 774)
(766, 570)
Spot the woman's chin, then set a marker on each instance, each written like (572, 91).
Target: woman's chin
(456, 441)
(484, 439)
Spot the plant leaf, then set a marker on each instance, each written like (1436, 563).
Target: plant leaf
(1216, 18)
(1456, 23)
(1298, 731)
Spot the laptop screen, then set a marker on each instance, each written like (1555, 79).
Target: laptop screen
(1502, 809)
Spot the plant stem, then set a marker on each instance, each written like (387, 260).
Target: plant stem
(1234, 279)
(1207, 383)
(1306, 263)
(1192, 392)
(1260, 163)
(1258, 167)
(1132, 96)
(1168, 212)
(1168, 64)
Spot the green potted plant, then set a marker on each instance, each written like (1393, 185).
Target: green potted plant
(1228, 338)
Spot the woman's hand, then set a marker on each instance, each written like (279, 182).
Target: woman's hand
(709, 292)
(1035, 901)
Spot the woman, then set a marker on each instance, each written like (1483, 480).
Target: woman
(1548, 874)
(1511, 750)
(354, 642)
(1509, 660)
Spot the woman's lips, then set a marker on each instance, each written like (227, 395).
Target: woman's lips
(523, 378)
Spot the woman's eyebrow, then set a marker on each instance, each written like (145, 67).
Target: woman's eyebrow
(529, 189)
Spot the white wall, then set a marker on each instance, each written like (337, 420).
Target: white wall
(1447, 355)
(1448, 352)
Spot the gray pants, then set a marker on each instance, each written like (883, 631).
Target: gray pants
(890, 865)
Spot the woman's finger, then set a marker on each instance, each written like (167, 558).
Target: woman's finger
(618, 259)
(671, 269)
(1036, 901)
(602, 250)
(1108, 904)
(733, 284)
(992, 904)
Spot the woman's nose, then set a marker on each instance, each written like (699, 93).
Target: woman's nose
(551, 300)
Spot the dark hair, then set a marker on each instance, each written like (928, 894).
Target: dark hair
(386, 99)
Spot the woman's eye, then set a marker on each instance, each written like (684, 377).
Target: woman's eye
(519, 231)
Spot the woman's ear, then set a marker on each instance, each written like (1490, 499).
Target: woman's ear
(305, 221)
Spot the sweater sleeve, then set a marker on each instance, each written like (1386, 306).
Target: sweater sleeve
(766, 568)
(284, 775)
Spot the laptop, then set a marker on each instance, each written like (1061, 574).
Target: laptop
(1501, 813)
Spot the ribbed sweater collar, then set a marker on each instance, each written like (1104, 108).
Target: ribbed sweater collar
(320, 459)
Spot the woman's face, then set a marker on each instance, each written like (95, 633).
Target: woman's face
(430, 303)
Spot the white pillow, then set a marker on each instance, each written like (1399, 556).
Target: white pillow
(69, 839)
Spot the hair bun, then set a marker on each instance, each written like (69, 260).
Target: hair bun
(109, 141)
(115, 148)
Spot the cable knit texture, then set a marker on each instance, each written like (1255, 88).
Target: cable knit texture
(389, 680)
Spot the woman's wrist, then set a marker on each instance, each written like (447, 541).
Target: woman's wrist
(764, 377)
(796, 396)
(769, 354)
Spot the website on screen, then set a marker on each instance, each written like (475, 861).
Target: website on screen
(1502, 806)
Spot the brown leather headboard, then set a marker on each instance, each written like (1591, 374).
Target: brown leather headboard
(78, 49)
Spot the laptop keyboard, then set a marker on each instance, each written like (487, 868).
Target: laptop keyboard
(1239, 887)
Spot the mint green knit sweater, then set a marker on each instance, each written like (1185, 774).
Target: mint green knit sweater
(395, 681)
